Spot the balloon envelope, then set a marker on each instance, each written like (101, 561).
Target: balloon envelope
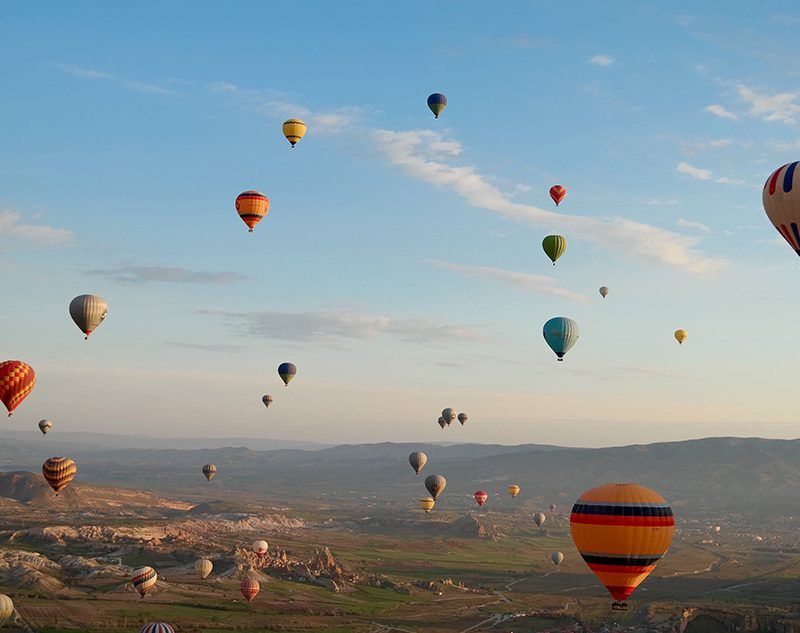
(294, 130)
(680, 336)
(435, 485)
(249, 588)
(437, 102)
(554, 246)
(157, 627)
(144, 579)
(59, 471)
(203, 568)
(539, 518)
(463, 417)
(513, 490)
(417, 459)
(621, 531)
(481, 497)
(561, 334)
(260, 547)
(267, 399)
(441, 422)
(287, 371)
(557, 558)
(209, 470)
(252, 206)
(6, 608)
(88, 312)
(45, 425)
(449, 415)
(427, 503)
(603, 292)
(557, 193)
(781, 198)
(17, 380)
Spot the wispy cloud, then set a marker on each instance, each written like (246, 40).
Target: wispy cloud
(689, 224)
(411, 151)
(540, 284)
(780, 106)
(694, 172)
(165, 274)
(602, 60)
(208, 347)
(661, 202)
(12, 226)
(331, 326)
(721, 112)
(92, 73)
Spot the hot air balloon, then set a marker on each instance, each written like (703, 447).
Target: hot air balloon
(561, 334)
(252, 206)
(287, 371)
(552, 507)
(603, 292)
(621, 531)
(260, 547)
(554, 246)
(203, 568)
(59, 471)
(88, 312)
(209, 470)
(441, 422)
(449, 415)
(437, 102)
(557, 193)
(294, 130)
(417, 459)
(6, 608)
(782, 204)
(249, 588)
(557, 558)
(481, 497)
(17, 380)
(427, 503)
(463, 417)
(435, 485)
(513, 490)
(157, 627)
(45, 425)
(267, 400)
(539, 518)
(144, 579)
(680, 336)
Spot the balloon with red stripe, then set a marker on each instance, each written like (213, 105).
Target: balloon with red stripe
(781, 198)
(17, 380)
(249, 588)
(621, 531)
(480, 497)
(157, 627)
(252, 206)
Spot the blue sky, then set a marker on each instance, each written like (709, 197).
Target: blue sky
(400, 265)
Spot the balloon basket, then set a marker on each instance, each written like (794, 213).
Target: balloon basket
(619, 605)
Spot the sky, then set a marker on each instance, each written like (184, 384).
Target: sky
(400, 266)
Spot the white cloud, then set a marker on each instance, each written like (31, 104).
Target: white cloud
(724, 180)
(694, 172)
(602, 60)
(533, 283)
(410, 150)
(661, 202)
(10, 226)
(776, 107)
(91, 73)
(719, 143)
(168, 274)
(689, 224)
(718, 110)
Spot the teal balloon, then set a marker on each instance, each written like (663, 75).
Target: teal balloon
(561, 334)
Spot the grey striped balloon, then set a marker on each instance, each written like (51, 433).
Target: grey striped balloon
(88, 312)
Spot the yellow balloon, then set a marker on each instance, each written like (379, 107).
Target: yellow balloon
(513, 490)
(680, 336)
(427, 503)
(294, 130)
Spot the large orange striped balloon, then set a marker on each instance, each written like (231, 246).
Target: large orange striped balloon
(17, 380)
(621, 530)
(59, 471)
(252, 206)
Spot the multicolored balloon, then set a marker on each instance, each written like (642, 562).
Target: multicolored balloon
(88, 312)
(59, 471)
(463, 417)
(558, 193)
(267, 400)
(294, 130)
(435, 485)
(45, 426)
(252, 206)
(157, 627)
(417, 459)
(480, 497)
(144, 579)
(554, 246)
(427, 503)
(209, 470)
(603, 292)
(621, 531)
(17, 380)
(681, 336)
(203, 568)
(513, 490)
(249, 588)
(561, 334)
(781, 198)
(287, 371)
(437, 102)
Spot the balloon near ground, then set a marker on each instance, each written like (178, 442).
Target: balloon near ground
(260, 547)
(621, 531)
(287, 371)
(557, 558)
(561, 334)
(437, 102)
(294, 130)
(558, 193)
(417, 459)
(252, 206)
(249, 588)
(88, 312)
(554, 246)
(209, 470)
(480, 497)
(45, 426)
(781, 199)
(427, 503)
(144, 579)
(17, 380)
(681, 336)
(203, 568)
(157, 627)
(539, 518)
(435, 484)
(6, 608)
(59, 471)
(513, 490)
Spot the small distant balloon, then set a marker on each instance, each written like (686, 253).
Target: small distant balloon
(88, 312)
(680, 336)
(260, 547)
(552, 507)
(209, 470)
(603, 292)
(435, 485)
(463, 417)
(294, 130)
(437, 102)
(249, 588)
(267, 400)
(554, 246)
(557, 558)
(417, 459)
(157, 627)
(480, 497)
(558, 193)
(6, 608)
(442, 423)
(203, 568)
(287, 371)
(427, 503)
(252, 206)
(45, 426)
(513, 490)
(449, 415)
(539, 518)
(561, 334)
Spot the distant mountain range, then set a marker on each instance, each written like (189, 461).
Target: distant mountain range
(747, 476)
